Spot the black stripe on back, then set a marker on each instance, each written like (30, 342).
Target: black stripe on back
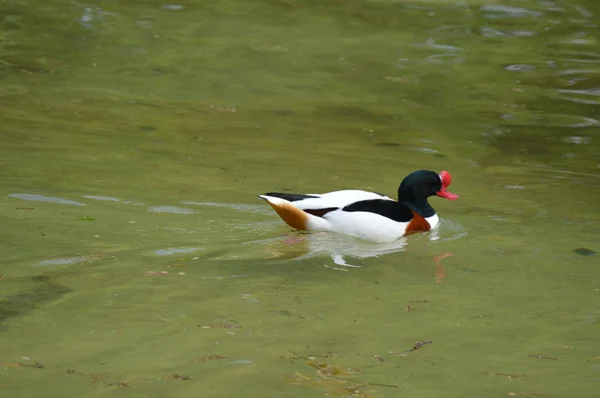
(387, 208)
(320, 212)
(292, 197)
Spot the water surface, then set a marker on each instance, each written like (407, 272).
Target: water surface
(137, 260)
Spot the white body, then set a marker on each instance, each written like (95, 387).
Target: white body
(366, 225)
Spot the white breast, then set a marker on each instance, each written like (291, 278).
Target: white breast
(369, 226)
(433, 221)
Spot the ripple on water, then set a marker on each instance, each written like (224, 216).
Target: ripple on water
(523, 33)
(63, 261)
(503, 11)
(339, 247)
(234, 206)
(42, 198)
(112, 199)
(577, 140)
(170, 209)
(176, 250)
(106, 198)
(173, 7)
(557, 120)
(592, 92)
(430, 43)
(568, 72)
(440, 58)
(520, 68)
(8, 90)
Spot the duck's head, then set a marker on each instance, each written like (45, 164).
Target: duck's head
(420, 185)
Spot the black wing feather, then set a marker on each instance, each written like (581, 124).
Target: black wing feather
(387, 208)
(291, 197)
(320, 212)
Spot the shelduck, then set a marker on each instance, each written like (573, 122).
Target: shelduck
(367, 215)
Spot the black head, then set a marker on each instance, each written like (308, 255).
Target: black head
(420, 185)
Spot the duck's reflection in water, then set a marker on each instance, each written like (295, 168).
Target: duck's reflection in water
(343, 251)
(338, 248)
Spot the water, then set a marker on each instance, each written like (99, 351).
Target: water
(137, 260)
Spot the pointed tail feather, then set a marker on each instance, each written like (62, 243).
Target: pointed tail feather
(293, 216)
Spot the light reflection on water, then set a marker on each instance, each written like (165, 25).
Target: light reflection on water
(43, 198)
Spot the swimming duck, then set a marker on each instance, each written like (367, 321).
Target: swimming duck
(367, 215)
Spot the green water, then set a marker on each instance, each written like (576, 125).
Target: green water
(135, 136)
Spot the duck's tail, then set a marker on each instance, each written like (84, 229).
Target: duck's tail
(293, 216)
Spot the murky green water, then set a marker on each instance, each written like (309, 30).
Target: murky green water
(135, 137)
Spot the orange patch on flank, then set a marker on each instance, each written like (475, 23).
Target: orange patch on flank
(293, 216)
(417, 224)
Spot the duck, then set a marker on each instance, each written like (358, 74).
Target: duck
(367, 215)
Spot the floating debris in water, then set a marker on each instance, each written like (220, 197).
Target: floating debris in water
(515, 376)
(115, 384)
(72, 260)
(419, 344)
(176, 376)
(416, 346)
(210, 357)
(542, 357)
(239, 362)
(220, 325)
(156, 273)
(334, 379)
(411, 308)
(42, 198)
(582, 251)
(36, 365)
(96, 378)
